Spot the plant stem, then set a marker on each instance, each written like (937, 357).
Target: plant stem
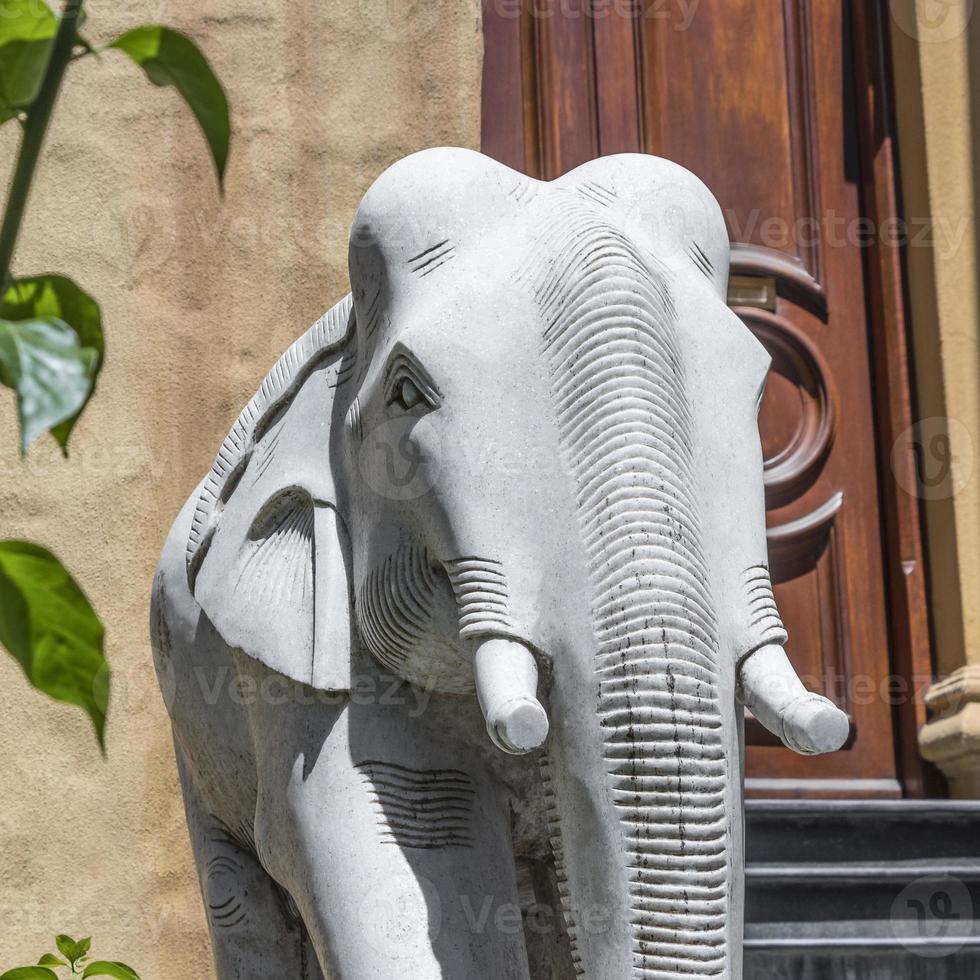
(35, 127)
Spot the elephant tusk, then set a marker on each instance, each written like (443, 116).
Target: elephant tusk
(506, 686)
(770, 688)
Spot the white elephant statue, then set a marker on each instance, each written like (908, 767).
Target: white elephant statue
(457, 631)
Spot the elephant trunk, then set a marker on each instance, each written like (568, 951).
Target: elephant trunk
(640, 760)
(640, 785)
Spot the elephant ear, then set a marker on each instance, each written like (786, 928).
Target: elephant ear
(662, 207)
(267, 557)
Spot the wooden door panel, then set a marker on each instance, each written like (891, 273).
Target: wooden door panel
(765, 128)
(731, 98)
(564, 42)
(757, 98)
(736, 102)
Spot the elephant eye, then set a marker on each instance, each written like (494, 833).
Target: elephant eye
(407, 394)
(408, 388)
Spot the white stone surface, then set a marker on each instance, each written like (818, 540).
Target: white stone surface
(506, 496)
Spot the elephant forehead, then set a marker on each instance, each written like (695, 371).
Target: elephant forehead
(660, 206)
(452, 208)
(428, 208)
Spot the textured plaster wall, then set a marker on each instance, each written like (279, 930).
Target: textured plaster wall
(937, 80)
(938, 89)
(199, 296)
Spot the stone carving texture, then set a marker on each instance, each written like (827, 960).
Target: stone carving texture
(424, 809)
(478, 581)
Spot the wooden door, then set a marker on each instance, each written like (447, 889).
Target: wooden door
(778, 105)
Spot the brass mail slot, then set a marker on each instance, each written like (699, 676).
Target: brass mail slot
(755, 291)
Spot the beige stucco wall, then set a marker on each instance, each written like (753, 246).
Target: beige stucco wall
(937, 79)
(199, 296)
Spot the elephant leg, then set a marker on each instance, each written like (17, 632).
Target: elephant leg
(392, 838)
(255, 934)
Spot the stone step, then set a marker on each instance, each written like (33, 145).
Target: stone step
(867, 890)
(834, 831)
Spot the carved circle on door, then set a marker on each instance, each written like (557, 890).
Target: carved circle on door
(797, 417)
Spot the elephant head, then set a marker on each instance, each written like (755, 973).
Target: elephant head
(522, 461)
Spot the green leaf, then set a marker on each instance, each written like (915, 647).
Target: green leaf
(48, 625)
(169, 58)
(27, 30)
(57, 297)
(64, 943)
(49, 369)
(102, 968)
(30, 973)
(49, 959)
(26, 20)
(80, 949)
